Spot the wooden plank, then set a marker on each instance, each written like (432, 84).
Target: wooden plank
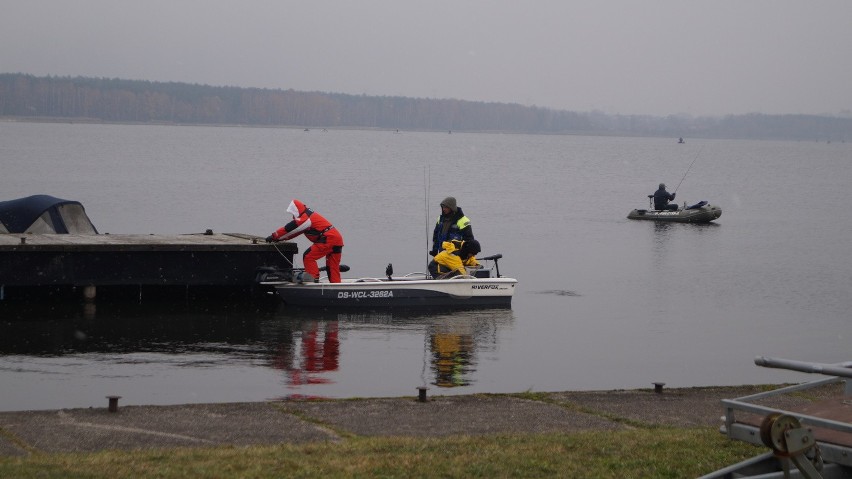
(835, 409)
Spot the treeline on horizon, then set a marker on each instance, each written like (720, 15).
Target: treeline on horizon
(54, 98)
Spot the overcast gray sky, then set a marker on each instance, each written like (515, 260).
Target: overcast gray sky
(701, 57)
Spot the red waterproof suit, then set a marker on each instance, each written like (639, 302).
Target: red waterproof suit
(327, 241)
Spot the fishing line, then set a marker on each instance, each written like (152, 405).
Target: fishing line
(687, 170)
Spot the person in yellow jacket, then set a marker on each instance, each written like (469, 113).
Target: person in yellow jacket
(451, 261)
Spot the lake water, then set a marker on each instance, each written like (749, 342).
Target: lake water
(603, 302)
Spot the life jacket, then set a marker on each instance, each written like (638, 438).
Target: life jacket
(458, 228)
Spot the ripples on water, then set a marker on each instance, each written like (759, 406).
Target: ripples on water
(557, 292)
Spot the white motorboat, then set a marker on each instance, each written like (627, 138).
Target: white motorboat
(481, 287)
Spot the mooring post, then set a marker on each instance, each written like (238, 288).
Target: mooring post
(113, 403)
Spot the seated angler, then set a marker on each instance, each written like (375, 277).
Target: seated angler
(662, 198)
(453, 259)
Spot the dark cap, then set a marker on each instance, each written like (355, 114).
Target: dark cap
(450, 203)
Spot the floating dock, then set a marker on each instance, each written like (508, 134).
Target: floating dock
(94, 266)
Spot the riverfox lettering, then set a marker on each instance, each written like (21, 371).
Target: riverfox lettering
(484, 286)
(364, 294)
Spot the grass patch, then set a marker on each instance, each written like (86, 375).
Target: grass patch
(657, 453)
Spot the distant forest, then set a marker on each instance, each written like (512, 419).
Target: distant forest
(27, 97)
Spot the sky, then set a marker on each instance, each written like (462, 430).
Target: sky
(631, 57)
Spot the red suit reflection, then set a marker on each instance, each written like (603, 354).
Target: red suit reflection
(319, 353)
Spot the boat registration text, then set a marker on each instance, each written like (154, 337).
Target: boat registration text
(386, 293)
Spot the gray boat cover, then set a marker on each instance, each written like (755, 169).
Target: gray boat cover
(44, 214)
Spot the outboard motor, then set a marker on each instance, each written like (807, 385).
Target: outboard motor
(272, 273)
(294, 275)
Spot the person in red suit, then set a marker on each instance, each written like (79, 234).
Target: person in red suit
(327, 240)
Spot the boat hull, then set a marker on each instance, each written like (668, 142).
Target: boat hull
(704, 214)
(400, 293)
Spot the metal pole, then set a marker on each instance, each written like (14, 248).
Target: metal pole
(838, 369)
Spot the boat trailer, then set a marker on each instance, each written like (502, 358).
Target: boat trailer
(809, 441)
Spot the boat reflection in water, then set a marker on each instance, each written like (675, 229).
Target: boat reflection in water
(167, 353)
(453, 353)
(452, 341)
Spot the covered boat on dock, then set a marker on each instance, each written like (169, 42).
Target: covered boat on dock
(480, 288)
(44, 214)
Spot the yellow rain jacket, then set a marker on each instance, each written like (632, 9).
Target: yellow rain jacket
(453, 262)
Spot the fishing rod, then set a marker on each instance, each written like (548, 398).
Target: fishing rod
(687, 170)
(426, 180)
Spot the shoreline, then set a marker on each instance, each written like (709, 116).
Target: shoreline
(300, 421)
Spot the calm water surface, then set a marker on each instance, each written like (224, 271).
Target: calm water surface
(603, 302)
